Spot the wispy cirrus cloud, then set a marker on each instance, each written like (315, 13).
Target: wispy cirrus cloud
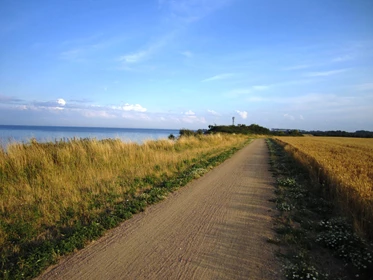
(313, 102)
(244, 91)
(343, 58)
(325, 73)
(297, 67)
(87, 48)
(135, 57)
(265, 87)
(223, 76)
(189, 11)
(145, 53)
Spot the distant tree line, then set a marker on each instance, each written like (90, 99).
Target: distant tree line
(257, 129)
(187, 132)
(239, 129)
(341, 133)
(288, 132)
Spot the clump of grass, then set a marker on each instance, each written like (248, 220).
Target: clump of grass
(338, 235)
(301, 269)
(55, 197)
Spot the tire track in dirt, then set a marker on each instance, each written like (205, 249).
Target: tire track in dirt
(216, 227)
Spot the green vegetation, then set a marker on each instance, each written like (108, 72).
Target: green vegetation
(315, 241)
(57, 197)
(239, 129)
(250, 130)
(341, 133)
(187, 132)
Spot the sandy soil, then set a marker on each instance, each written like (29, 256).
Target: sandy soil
(214, 228)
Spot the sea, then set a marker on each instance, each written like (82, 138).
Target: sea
(24, 134)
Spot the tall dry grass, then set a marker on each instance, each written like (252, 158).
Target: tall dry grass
(44, 184)
(345, 166)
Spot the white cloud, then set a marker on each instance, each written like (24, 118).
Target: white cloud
(130, 107)
(21, 107)
(289, 117)
(301, 117)
(135, 116)
(219, 77)
(243, 114)
(193, 119)
(61, 102)
(190, 113)
(134, 57)
(48, 105)
(325, 73)
(212, 112)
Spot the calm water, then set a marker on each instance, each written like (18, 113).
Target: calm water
(11, 133)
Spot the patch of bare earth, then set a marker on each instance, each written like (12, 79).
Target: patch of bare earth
(216, 227)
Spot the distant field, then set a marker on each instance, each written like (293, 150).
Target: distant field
(345, 165)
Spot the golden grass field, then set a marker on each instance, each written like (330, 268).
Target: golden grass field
(42, 185)
(346, 166)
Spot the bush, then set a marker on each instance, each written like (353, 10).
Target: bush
(186, 132)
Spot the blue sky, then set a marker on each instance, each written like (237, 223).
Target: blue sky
(304, 64)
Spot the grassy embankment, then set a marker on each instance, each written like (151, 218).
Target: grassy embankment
(345, 167)
(316, 241)
(56, 197)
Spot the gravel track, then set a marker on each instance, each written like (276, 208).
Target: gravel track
(216, 227)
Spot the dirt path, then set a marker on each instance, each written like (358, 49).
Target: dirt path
(214, 228)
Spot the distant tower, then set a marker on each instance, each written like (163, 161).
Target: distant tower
(232, 120)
